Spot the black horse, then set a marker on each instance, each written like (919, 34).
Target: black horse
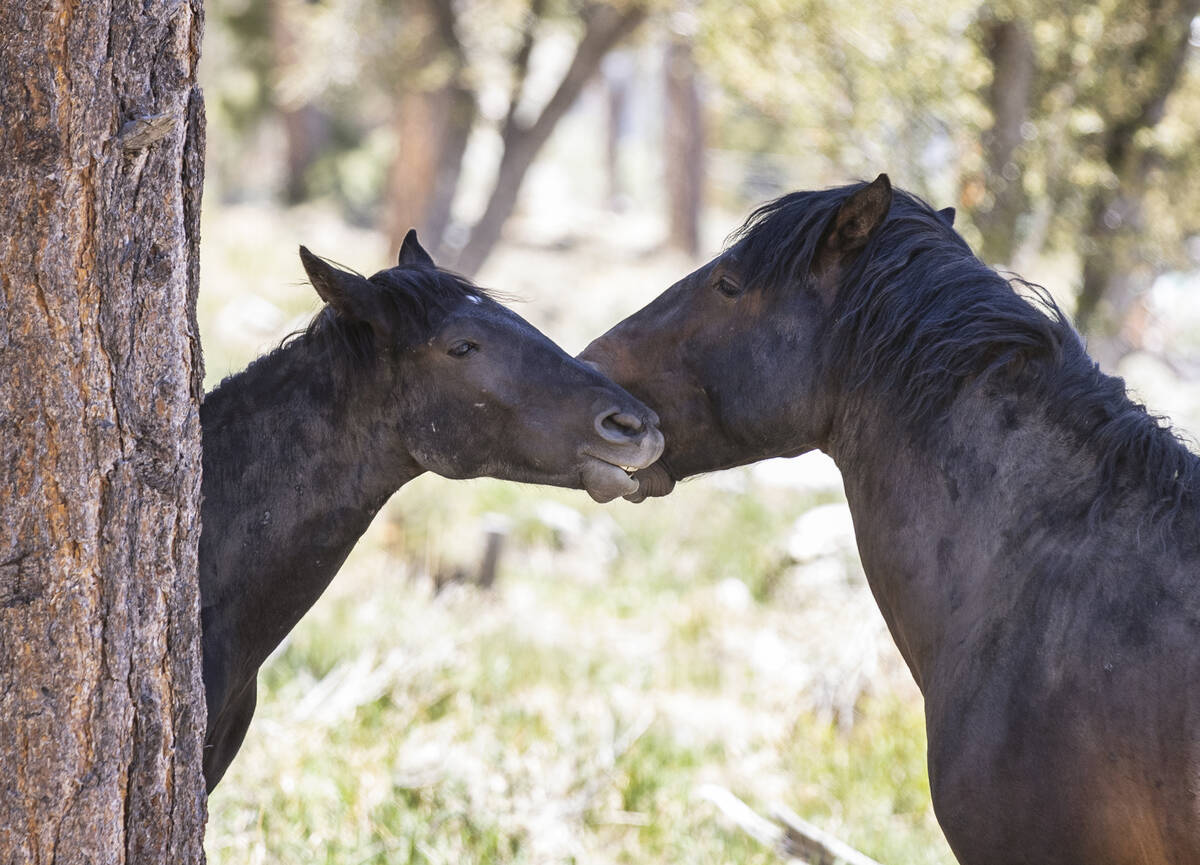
(412, 370)
(1032, 536)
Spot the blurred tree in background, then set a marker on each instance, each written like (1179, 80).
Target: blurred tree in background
(683, 134)
(427, 71)
(1084, 151)
(1059, 128)
(1062, 131)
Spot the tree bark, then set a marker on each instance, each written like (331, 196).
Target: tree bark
(101, 163)
(683, 146)
(461, 111)
(605, 27)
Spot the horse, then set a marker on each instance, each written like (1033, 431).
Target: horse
(1029, 532)
(412, 370)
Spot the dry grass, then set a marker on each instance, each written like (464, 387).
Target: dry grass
(627, 657)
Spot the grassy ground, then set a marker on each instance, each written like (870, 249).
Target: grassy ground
(627, 659)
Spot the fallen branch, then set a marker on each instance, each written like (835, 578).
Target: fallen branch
(793, 838)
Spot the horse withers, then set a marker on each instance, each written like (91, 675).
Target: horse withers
(1032, 536)
(412, 370)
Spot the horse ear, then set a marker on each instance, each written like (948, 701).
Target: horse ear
(859, 216)
(947, 215)
(849, 230)
(348, 293)
(412, 254)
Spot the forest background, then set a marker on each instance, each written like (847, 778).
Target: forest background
(629, 665)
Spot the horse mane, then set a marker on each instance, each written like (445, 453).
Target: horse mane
(417, 298)
(917, 317)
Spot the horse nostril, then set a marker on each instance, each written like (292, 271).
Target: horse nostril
(618, 426)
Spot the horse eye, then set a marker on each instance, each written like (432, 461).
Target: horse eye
(728, 287)
(462, 348)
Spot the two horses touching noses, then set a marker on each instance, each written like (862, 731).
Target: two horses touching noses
(1031, 535)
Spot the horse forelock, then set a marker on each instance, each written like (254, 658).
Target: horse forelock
(415, 299)
(918, 317)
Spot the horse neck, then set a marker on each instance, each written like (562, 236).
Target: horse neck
(948, 526)
(297, 460)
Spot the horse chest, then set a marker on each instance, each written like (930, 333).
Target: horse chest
(1078, 768)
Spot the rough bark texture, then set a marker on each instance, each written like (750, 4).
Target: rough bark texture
(683, 146)
(101, 159)
(604, 28)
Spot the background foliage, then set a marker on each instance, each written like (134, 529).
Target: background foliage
(583, 156)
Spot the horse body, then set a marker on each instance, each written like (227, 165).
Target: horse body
(1058, 667)
(410, 371)
(1030, 535)
(290, 483)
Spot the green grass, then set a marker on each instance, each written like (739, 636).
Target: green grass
(572, 713)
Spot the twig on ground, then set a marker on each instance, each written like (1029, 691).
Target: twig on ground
(583, 800)
(793, 838)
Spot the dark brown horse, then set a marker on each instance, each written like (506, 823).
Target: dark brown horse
(1030, 534)
(412, 370)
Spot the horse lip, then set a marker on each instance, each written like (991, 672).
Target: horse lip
(640, 494)
(666, 468)
(627, 467)
(605, 490)
(648, 450)
(612, 462)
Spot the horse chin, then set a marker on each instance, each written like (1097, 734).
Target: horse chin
(605, 481)
(652, 481)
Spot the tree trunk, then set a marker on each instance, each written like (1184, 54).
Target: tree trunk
(683, 146)
(1116, 270)
(618, 78)
(461, 111)
(433, 124)
(101, 162)
(1008, 45)
(605, 27)
(305, 127)
(306, 133)
(432, 129)
(1115, 274)
(419, 119)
